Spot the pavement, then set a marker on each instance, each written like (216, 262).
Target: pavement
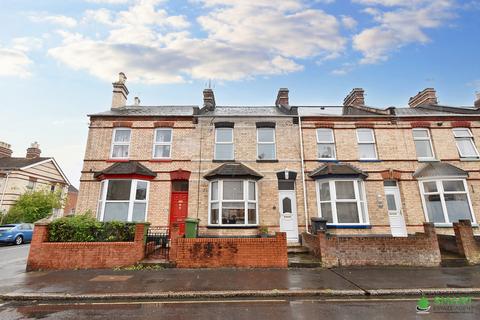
(107, 284)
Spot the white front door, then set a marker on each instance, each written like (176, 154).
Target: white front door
(288, 214)
(395, 215)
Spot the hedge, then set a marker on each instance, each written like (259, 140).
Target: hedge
(84, 228)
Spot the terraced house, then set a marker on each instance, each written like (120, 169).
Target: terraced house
(240, 168)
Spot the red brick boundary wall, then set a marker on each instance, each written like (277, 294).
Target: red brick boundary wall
(229, 252)
(420, 249)
(46, 255)
(467, 245)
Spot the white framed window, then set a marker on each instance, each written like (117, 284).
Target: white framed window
(423, 144)
(446, 200)
(123, 200)
(266, 144)
(465, 143)
(367, 149)
(32, 182)
(162, 143)
(325, 144)
(342, 201)
(233, 203)
(120, 143)
(224, 144)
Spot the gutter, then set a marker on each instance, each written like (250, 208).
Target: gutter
(304, 184)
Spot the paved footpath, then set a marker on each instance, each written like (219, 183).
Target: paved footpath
(230, 283)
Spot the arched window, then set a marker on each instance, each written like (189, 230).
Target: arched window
(287, 205)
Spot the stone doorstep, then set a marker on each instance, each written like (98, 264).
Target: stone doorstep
(157, 262)
(452, 259)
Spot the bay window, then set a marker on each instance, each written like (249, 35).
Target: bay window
(366, 144)
(233, 203)
(123, 200)
(423, 144)
(325, 144)
(342, 201)
(120, 143)
(162, 145)
(465, 144)
(446, 201)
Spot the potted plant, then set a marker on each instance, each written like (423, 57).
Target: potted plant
(263, 231)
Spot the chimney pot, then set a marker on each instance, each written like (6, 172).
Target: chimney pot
(120, 92)
(5, 150)
(34, 151)
(282, 98)
(208, 99)
(355, 98)
(477, 100)
(427, 96)
(137, 101)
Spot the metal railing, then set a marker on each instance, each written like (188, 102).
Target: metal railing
(157, 243)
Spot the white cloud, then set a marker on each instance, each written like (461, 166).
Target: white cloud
(242, 40)
(26, 43)
(400, 26)
(14, 62)
(344, 69)
(60, 20)
(349, 22)
(109, 1)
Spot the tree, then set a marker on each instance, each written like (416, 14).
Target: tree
(33, 206)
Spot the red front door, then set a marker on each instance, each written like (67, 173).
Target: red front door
(179, 209)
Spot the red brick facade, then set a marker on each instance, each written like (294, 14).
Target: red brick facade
(418, 250)
(230, 252)
(46, 255)
(467, 245)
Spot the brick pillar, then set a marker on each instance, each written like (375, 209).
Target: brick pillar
(431, 234)
(466, 243)
(283, 259)
(174, 235)
(328, 255)
(140, 240)
(40, 235)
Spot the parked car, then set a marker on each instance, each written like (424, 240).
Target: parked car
(16, 233)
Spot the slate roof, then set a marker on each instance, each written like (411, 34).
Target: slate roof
(329, 170)
(233, 170)
(439, 169)
(10, 163)
(149, 111)
(417, 111)
(127, 168)
(249, 111)
(72, 189)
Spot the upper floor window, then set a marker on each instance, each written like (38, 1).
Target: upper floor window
(123, 200)
(366, 144)
(224, 144)
(325, 144)
(446, 201)
(266, 144)
(423, 144)
(121, 143)
(342, 201)
(233, 202)
(32, 182)
(465, 144)
(162, 145)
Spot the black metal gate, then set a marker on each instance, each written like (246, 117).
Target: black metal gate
(158, 243)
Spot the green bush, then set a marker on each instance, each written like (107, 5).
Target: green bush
(33, 206)
(85, 228)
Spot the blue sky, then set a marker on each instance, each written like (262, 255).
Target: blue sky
(58, 58)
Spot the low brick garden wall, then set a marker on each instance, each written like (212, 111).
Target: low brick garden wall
(420, 249)
(467, 244)
(230, 252)
(46, 255)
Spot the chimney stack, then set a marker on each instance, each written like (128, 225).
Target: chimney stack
(208, 99)
(120, 92)
(477, 101)
(34, 151)
(282, 98)
(5, 150)
(356, 98)
(426, 97)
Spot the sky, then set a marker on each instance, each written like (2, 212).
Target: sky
(58, 58)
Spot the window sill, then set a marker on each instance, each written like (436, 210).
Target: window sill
(232, 227)
(118, 160)
(328, 160)
(266, 161)
(450, 225)
(348, 226)
(221, 161)
(470, 159)
(428, 160)
(160, 160)
(369, 160)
